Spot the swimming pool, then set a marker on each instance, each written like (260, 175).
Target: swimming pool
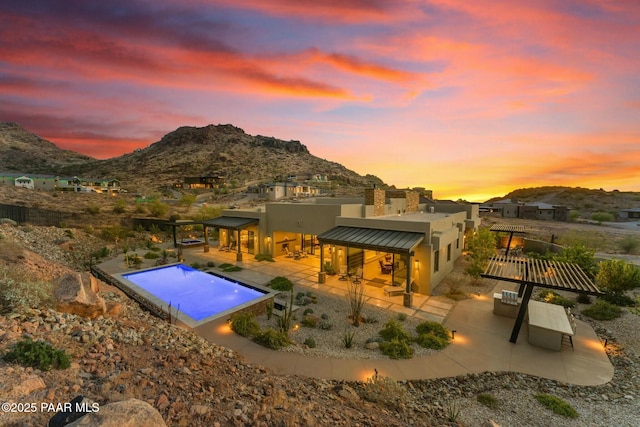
(197, 296)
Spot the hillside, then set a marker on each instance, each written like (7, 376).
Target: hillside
(584, 200)
(23, 151)
(223, 150)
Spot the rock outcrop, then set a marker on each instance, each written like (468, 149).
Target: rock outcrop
(77, 293)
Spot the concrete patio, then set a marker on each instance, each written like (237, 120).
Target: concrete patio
(481, 340)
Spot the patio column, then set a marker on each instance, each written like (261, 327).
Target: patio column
(238, 250)
(206, 238)
(407, 299)
(322, 274)
(175, 241)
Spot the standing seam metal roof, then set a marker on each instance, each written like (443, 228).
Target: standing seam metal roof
(371, 238)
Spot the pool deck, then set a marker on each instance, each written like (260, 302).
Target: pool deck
(481, 341)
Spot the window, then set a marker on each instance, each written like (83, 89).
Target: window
(449, 252)
(458, 243)
(436, 261)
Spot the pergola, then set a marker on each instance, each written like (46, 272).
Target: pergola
(511, 229)
(531, 272)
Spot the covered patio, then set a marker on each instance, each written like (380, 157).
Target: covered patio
(529, 273)
(233, 239)
(402, 243)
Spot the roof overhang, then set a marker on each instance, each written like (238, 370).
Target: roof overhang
(230, 222)
(372, 239)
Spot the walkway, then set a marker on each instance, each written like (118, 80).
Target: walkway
(481, 340)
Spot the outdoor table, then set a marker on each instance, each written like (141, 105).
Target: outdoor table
(547, 324)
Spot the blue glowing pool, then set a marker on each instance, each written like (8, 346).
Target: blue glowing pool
(196, 296)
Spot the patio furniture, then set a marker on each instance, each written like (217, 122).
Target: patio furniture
(358, 276)
(568, 339)
(393, 291)
(385, 268)
(548, 323)
(343, 273)
(289, 254)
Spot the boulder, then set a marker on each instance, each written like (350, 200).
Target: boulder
(28, 386)
(77, 293)
(126, 413)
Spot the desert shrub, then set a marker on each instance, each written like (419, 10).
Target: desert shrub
(69, 233)
(232, 269)
(264, 257)
(602, 310)
(556, 405)
(581, 254)
(244, 325)
(324, 316)
(583, 299)
(385, 390)
(196, 265)
(120, 206)
(392, 330)
(307, 311)
(347, 338)
(433, 328)
(272, 339)
(328, 268)
(554, 298)
(92, 209)
(617, 276)
(157, 208)
(629, 244)
(452, 410)
(210, 264)
(325, 325)
(487, 400)
(310, 342)
(619, 299)
(397, 349)
(309, 322)
(103, 252)
(37, 354)
(18, 292)
(601, 217)
(481, 246)
(401, 317)
(152, 255)
(281, 283)
(432, 341)
(356, 297)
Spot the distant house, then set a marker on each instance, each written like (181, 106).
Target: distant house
(207, 181)
(52, 182)
(534, 210)
(283, 190)
(631, 213)
(25, 182)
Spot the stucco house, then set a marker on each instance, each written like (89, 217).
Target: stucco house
(384, 236)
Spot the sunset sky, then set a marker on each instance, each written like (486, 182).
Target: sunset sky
(468, 98)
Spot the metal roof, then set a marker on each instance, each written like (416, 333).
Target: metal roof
(230, 222)
(508, 228)
(562, 276)
(372, 239)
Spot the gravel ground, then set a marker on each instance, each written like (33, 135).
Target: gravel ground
(329, 343)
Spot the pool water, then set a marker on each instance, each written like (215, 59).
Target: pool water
(194, 293)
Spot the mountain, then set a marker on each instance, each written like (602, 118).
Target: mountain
(23, 151)
(582, 199)
(223, 150)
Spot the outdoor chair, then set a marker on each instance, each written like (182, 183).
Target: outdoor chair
(343, 273)
(385, 268)
(289, 254)
(568, 339)
(358, 276)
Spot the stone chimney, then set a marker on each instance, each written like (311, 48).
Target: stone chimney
(374, 197)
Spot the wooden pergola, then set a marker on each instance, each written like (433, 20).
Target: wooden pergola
(511, 229)
(531, 272)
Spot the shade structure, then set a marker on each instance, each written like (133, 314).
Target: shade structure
(509, 228)
(560, 276)
(372, 239)
(531, 272)
(230, 222)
